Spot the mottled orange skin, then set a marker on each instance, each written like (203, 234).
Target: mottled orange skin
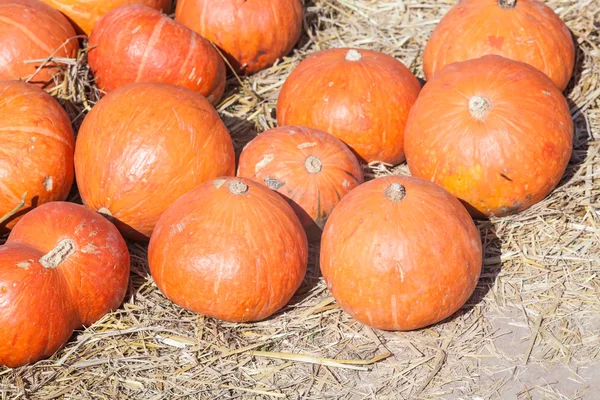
(139, 44)
(252, 34)
(505, 162)
(36, 151)
(31, 30)
(235, 257)
(84, 14)
(531, 32)
(277, 158)
(400, 265)
(143, 146)
(364, 103)
(40, 307)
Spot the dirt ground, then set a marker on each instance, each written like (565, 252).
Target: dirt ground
(531, 330)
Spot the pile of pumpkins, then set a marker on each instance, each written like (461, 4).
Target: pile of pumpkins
(489, 134)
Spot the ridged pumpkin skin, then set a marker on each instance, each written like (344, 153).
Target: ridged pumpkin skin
(84, 14)
(362, 97)
(62, 267)
(400, 253)
(310, 168)
(139, 44)
(494, 132)
(36, 155)
(143, 146)
(529, 32)
(31, 30)
(253, 34)
(231, 249)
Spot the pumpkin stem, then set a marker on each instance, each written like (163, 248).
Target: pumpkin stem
(14, 210)
(479, 107)
(507, 4)
(63, 250)
(237, 187)
(395, 192)
(353, 55)
(313, 165)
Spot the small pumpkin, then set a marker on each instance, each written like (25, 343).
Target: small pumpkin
(312, 169)
(253, 34)
(62, 267)
(494, 132)
(31, 30)
(84, 14)
(231, 249)
(400, 253)
(362, 97)
(140, 44)
(37, 144)
(144, 145)
(522, 30)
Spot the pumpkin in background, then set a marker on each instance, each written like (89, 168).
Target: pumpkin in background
(37, 144)
(362, 97)
(252, 34)
(522, 30)
(144, 145)
(310, 168)
(400, 253)
(62, 267)
(494, 132)
(84, 14)
(31, 30)
(231, 249)
(139, 44)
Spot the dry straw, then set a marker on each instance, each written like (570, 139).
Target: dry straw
(530, 331)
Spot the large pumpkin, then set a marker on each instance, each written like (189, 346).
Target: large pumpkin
(400, 253)
(62, 267)
(85, 13)
(139, 44)
(363, 97)
(522, 30)
(253, 34)
(36, 149)
(494, 132)
(311, 168)
(143, 146)
(230, 249)
(31, 30)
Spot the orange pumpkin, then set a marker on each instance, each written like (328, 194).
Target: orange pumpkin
(30, 30)
(253, 34)
(85, 13)
(522, 30)
(230, 249)
(312, 169)
(363, 97)
(62, 267)
(400, 253)
(37, 144)
(139, 44)
(142, 147)
(494, 132)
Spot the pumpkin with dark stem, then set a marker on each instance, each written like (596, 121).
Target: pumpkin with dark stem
(362, 97)
(522, 30)
(400, 253)
(230, 249)
(312, 169)
(140, 44)
(144, 145)
(252, 34)
(494, 132)
(37, 144)
(62, 267)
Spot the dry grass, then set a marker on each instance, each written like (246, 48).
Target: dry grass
(530, 331)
